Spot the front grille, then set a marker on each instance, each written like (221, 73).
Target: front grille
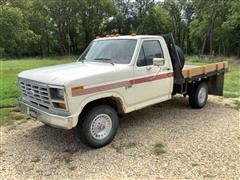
(35, 93)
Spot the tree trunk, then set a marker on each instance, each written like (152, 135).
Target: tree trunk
(183, 40)
(74, 45)
(224, 50)
(210, 27)
(179, 33)
(219, 50)
(68, 38)
(238, 51)
(228, 49)
(41, 47)
(204, 44)
(188, 45)
(210, 44)
(62, 39)
(86, 38)
(48, 46)
(212, 37)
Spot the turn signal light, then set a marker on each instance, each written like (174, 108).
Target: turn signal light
(77, 90)
(61, 105)
(113, 35)
(133, 34)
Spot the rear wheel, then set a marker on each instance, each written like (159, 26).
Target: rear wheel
(198, 95)
(98, 126)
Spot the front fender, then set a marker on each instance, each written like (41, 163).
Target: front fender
(85, 100)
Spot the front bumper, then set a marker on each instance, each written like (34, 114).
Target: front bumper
(63, 122)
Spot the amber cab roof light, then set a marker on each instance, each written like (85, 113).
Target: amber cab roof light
(134, 34)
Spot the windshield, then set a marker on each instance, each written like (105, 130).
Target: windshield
(118, 51)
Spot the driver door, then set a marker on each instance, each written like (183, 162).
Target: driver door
(151, 82)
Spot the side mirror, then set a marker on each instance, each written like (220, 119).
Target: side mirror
(158, 61)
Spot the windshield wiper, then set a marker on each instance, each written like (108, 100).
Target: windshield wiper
(81, 60)
(105, 59)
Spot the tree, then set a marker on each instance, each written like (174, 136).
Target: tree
(122, 21)
(15, 37)
(175, 9)
(141, 9)
(231, 27)
(156, 21)
(53, 27)
(93, 15)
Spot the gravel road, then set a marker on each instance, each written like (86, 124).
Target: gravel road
(198, 143)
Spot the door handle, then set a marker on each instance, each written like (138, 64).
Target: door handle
(148, 68)
(165, 68)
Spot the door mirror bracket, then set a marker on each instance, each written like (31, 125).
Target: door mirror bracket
(158, 61)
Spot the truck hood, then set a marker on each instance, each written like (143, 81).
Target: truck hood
(68, 73)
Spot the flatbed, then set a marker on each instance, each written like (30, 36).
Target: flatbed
(212, 74)
(191, 71)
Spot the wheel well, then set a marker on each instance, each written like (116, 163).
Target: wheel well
(186, 87)
(114, 102)
(194, 84)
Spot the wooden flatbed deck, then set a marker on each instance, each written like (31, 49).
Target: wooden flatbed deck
(191, 71)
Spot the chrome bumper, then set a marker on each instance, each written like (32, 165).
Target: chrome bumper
(63, 122)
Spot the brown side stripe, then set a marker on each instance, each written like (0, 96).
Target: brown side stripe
(121, 84)
(151, 78)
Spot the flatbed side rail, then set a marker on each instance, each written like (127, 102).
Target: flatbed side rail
(205, 70)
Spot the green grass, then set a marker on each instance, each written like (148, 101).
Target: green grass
(10, 68)
(9, 115)
(237, 102)
(8, 83)
(71, 166)
(159, 149)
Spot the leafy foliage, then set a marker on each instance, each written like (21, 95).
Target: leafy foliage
(60, 27)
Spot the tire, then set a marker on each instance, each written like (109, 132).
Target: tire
(181, 56)
(98, 126)
(198, 95)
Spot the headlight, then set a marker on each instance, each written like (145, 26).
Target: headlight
(60, 94)
(57, 97)
(57, 94)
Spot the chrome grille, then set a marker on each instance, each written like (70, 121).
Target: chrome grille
(35, 93)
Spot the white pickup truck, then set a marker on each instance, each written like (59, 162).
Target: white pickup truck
(115, 75)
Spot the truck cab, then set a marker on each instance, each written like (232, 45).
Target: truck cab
(114, 75)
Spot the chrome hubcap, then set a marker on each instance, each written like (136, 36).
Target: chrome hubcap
(101, 126)
(202, 95)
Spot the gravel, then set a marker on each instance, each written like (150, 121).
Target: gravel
(197, 144)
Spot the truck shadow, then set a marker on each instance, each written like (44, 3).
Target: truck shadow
(168, 116)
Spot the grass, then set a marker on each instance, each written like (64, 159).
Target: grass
(159, 149)
(10, 68)
(9, 115)
(237, 102)
(12, 127)
(71, 166)
(8, 84)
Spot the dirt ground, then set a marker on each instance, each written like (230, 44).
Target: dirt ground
(201, 143)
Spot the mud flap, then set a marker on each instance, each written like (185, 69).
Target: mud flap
(215, 84)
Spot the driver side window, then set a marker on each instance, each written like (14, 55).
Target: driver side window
(149, 50)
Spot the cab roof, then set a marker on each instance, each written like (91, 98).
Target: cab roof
(135, 37)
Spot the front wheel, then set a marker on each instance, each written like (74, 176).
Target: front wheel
(98, 126)
(198, 95)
